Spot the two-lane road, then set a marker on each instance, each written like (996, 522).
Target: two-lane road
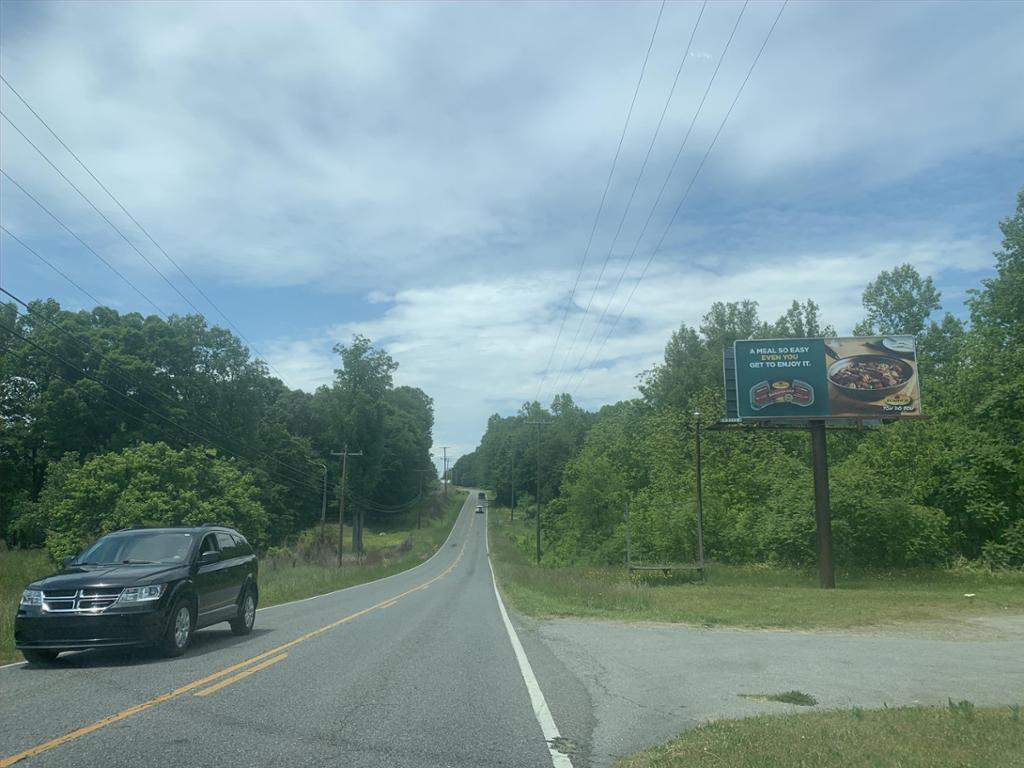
(416, 670)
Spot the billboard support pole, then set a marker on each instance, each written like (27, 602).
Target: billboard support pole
(822, 508)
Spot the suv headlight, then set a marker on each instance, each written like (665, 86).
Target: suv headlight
(32, 597)
(141, 594)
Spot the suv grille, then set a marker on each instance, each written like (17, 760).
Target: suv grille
(88, 600)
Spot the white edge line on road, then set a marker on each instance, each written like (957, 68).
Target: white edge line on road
(540, 704)
(13, 664)
(375, 581)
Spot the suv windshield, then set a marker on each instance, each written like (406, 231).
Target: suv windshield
(143, 547)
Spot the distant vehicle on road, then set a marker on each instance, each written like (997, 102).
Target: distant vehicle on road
(481, 495)
(139, 587)
(479, 509)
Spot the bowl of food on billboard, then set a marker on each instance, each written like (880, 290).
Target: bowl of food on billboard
(874, 375)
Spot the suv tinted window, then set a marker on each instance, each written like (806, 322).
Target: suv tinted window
(209, 544)
(242, 544)
(227, 545)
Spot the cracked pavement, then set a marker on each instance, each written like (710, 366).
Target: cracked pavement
(616, 688)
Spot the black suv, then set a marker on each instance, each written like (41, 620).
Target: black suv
(141, 586)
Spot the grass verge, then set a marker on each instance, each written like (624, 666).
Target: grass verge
(18, 567)
(295, 573)
(287, 573)
(907, 737)
(746, 596)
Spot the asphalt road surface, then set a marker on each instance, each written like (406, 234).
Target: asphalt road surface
(427, 669)
(416, 670)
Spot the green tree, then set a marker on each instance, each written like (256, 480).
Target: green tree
(150, 484)
(898, 302)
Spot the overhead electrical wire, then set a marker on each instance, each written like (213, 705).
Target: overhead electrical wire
(600, 207)
(632, 194)
(139, 225)
(654, 206)
(48, 263)
(689, 187)
(84, 244)
(101, 214)
(384, 509)
(203, 438)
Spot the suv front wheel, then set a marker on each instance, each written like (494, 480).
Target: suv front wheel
(179, 629)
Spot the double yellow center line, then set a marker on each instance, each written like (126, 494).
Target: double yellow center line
(258, 662)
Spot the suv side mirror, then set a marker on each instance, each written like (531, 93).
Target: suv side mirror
(68, 560)
(209, 557)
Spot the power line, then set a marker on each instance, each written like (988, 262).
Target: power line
(56, 269)
(604, 195)
(689, 187)
(162, 417)
(88, 247)
(636, 185)
(138, 224)
(102, 214)
(576, 370)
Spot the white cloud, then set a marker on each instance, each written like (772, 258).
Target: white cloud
(482, 347)
(444, 161)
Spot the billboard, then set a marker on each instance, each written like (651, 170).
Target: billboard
(860, 377)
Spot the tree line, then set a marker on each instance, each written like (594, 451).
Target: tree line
(109, 420)
(914, 493)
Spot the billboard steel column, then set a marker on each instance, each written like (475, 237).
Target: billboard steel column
(822, 509)
(700, 501)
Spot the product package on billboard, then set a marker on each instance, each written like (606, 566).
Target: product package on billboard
(863, 377)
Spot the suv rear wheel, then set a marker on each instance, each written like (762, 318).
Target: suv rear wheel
(242, 625)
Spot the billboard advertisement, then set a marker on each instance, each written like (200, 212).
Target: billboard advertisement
(860, 377)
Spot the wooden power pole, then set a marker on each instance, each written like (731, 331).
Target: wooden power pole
(444, 474)
(538, 424)
(341, 502)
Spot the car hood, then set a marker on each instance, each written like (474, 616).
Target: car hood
(79, 576)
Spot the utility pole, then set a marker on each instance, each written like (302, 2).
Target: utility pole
(538, 424)
(323, 506)
(341, 504)
(444, 475)
(629, 548)
(700, 504)
(512, 512)
(419, 506)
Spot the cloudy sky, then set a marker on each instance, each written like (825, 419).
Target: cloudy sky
(429, 174)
